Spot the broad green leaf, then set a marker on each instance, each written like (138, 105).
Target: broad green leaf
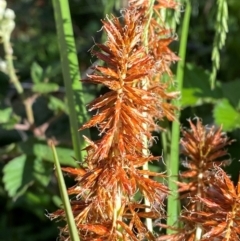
(22, 172)
(43, 151)
(196, 87)
(5, 115)
(45, 88)
(225, 114)
(36, 73)
(17, 176)
(231, 91)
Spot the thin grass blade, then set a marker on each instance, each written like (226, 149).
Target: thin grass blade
(65, 199)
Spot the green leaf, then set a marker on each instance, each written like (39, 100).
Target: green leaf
(44, 88)
(42, 171)
(17, 176)
(22, 172)
(43, 151)
(196, 87)
(231, 92)
(5, 115)
(36, 73)
(225, 114)
(52, 71)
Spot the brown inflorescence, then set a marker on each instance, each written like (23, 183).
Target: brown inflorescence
(105, 207)
(204, 148)
(211, 203)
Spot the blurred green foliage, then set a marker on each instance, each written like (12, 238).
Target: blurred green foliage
(28, 187)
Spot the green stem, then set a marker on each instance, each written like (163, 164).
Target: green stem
(173, 162)
(73, 232)
(71, 75)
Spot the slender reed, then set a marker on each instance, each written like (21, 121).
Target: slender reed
(73, 233)
(71, 75)
(173, 162)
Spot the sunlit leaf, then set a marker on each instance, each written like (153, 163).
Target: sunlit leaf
(226, 115)
(5, 115)
(43, 151)
(16, 176)
(196, 87)
(22, 172)
(45, 88)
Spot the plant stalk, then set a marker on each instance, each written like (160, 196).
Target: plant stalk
(73, 232)
(173, 162)
(71, 74)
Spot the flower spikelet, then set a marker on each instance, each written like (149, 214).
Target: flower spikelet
(219, 217)
(204, 149)
(104, 204)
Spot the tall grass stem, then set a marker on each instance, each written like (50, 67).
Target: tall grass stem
(71, 74)
(173, 162)
(73, 233)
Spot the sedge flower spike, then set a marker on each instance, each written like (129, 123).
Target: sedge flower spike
(105, 205)
(210, 200)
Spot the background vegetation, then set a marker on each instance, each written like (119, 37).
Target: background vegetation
(28, 188)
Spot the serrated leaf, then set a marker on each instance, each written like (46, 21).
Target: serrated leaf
(44, 88)
(36, 73)
(42, 150)
(22, 172)
(17, 176)
(225, 114)
(196, 87)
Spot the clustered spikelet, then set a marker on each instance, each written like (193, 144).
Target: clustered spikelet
(211, 202)
(204, 149)
(219, 216)
(105, 207)
(159, 37)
